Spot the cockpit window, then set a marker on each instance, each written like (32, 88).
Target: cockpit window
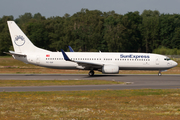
(167, 59)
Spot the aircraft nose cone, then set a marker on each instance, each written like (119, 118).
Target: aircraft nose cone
(175, 63)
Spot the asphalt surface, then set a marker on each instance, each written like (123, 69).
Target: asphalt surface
(133, 82)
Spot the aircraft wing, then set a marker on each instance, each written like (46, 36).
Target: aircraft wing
(88, 65)
(83, 65)
(13, 53)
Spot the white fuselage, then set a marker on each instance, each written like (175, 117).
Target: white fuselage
(125, 61)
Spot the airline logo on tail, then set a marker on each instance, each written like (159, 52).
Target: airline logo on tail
(19, 40)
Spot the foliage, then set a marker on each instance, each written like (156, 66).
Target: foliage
(93, 30)
(166, 51)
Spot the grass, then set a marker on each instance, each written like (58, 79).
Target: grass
(5, 83)
(96, 104)
(102, 104)
(9, 65)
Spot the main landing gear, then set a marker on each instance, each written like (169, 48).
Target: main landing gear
(159, 74)
(91, 73)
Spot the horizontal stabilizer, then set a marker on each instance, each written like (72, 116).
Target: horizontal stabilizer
(13, 53)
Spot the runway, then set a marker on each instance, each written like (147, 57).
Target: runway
(137, 82)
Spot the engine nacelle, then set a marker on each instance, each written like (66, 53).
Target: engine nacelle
(110, 69)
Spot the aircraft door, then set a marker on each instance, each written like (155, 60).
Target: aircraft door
(157, 61)
(38, 59)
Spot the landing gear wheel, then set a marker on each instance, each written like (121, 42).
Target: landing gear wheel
(91, 73)
(159, 74)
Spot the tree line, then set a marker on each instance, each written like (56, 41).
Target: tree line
(93, 30)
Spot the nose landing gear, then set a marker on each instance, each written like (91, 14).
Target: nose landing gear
(91, 73)
(159, 74)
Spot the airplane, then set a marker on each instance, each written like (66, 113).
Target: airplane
(105, 62)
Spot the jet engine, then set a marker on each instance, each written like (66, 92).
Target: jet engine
(110, 69)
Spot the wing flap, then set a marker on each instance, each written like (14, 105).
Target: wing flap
(89, 64)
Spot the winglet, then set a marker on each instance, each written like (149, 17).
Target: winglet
(71, 50)
(65, 56)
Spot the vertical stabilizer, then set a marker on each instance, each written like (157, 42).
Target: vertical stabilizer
(20, 41)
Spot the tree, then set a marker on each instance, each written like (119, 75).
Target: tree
(5, 40)
(24, 18)
(93, 30)
(38, 16)
(112, 33)
(167, 28)
(132, 35)
(38, 34)
(175, 42)
(150, 29)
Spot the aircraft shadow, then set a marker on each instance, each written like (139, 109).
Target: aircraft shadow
(105, 76)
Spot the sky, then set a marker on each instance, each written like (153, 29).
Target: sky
(50, 8)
